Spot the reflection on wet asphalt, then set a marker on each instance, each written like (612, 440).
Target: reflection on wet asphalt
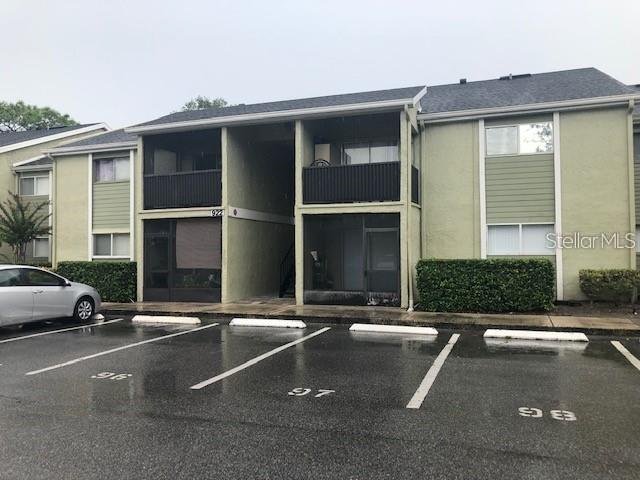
(329, 406)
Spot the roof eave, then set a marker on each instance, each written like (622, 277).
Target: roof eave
(529, 108)
(27, 161)
(55, 136)
(368, 107)
(33, 168)
(98, 147)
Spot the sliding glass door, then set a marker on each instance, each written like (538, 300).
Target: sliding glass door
(352, 259)
(182, 260)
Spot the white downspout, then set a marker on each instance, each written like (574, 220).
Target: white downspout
(408, 202)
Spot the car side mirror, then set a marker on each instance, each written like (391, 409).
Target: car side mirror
(66, 283)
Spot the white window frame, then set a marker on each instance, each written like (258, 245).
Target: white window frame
(368, 141)
(517, 153)
(93, 246)
(113, 160)
(33, 247)
(521, 252)
(35, 185)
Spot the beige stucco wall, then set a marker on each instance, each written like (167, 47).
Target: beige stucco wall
(253, 258)
(595, 197)
(450, 196)
(259, 177)
(71, 208)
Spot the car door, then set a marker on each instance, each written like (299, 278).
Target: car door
(16, 299)
(51, 298)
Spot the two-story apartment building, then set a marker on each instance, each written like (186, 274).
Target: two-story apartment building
(93, 189)
(27, 171)
(336, 198)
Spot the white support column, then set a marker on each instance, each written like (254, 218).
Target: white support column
(225, 294)
(557, 182)
(52, 198)
(90, 208)
(50, 216)
(298, 222)
(482, 190)
(132, 200)
(138, 196)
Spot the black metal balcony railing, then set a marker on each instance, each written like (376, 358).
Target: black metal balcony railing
(370, 182)
(201, 188)
(415, 185)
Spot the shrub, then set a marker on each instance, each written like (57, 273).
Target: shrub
(610, 285)
(493, 285)
(115, 281)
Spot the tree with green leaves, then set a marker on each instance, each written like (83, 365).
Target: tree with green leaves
(200, 102)
(19, 116)
(22, 222)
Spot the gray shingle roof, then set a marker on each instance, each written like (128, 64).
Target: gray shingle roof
(299, 104)
(112, 137)
(522, 90)
(9, 138)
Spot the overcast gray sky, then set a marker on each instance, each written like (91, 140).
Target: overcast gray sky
(125, 62)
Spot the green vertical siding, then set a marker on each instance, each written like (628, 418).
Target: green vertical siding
(111, 205)
(520, 189)
(35, 200)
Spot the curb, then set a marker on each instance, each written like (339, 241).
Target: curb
(266, 322)
(377, 328)
(166, 320)
(536, 335)
(442, 321)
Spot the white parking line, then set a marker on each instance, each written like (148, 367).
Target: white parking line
(627, 354)
(427, 382)
(255, 360)
(113, 350)
(15, 339)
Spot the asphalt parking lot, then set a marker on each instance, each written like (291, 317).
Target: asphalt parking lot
(119, 400)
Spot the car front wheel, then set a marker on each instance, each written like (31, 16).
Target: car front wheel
(84, 309)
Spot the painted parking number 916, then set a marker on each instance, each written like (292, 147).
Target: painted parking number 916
(564, 415)
(301, 392)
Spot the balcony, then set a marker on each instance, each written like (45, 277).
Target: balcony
(370, 182)
(200, 188)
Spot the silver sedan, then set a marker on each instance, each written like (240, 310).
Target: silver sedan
(29, 294)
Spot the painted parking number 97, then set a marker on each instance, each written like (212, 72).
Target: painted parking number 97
(301, 392)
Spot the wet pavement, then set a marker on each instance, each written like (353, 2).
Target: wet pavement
(116, 401)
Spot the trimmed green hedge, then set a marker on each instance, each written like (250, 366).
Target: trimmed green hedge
(493, 285)
(115, 281)
(610, 285)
